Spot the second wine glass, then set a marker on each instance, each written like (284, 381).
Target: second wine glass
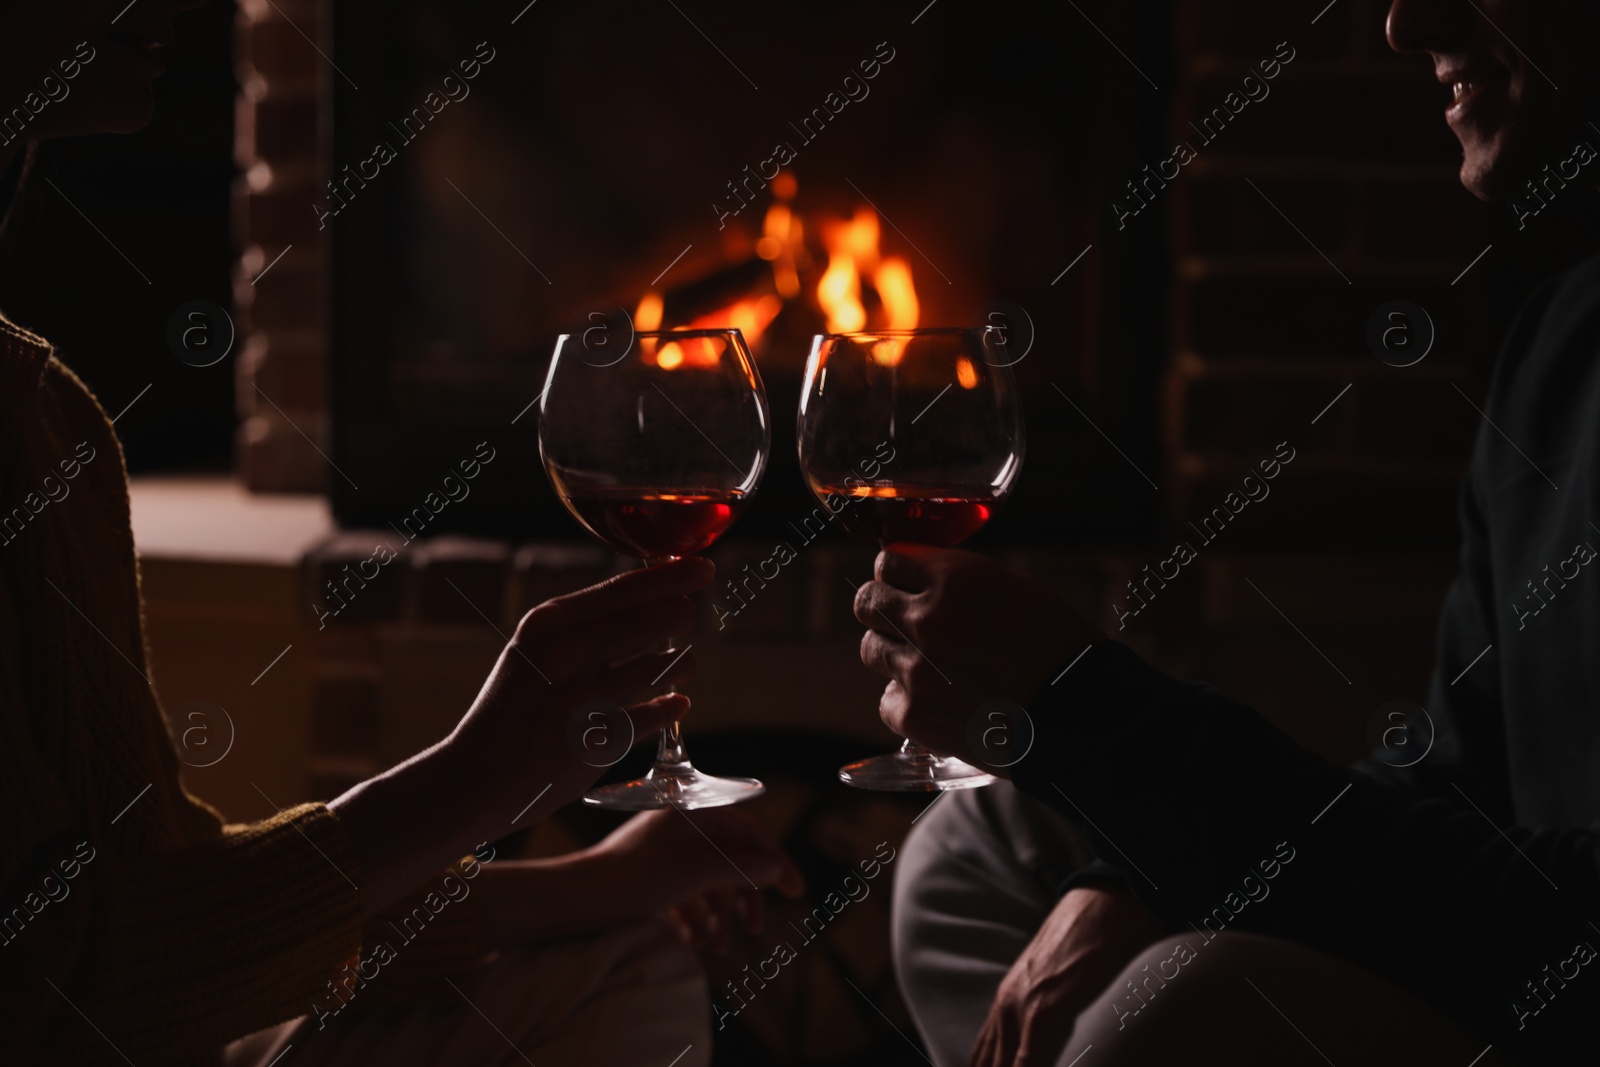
(656, 450)
(911, 435)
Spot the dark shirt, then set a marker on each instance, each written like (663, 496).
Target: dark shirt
(1469, 878)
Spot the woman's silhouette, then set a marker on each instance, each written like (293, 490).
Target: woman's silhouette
(136, 925)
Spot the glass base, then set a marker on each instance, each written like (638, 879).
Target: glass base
(674, 787)
(913, 772)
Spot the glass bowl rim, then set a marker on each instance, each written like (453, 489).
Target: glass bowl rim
(917, 331)
(703, 331)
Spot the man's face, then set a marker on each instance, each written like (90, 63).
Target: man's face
(1522, 77)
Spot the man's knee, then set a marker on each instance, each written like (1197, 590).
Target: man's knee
(1150, 1010)
(983, 852)
(1156, 982)
(1168, 1003)
(936, 859)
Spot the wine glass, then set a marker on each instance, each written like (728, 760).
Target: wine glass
(656, 451)
(911, 435)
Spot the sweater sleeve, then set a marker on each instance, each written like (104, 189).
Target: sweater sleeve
(174, 956)
(1221, 823)
(167, 955)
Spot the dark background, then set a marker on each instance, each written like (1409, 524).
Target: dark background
(161, 196)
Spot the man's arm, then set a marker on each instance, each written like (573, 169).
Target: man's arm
(1462, 744)
(1222, 822)
(1467, 749)
(1086, 940)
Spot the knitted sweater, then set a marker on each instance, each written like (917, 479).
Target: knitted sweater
(134, 923)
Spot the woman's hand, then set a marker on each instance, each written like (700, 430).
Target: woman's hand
(703, 870)
(1085, 942)
(952, 631)
(598, 644)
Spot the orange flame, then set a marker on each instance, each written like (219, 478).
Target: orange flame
(775, 230)
(750, 316)
(853, 255)
(690, 352)
(852, 247)
(839, 293)
(647, 316)
(782, 236)
(861, 237)
(899, 296)
(856, 273)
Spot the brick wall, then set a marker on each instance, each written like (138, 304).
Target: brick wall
(282, 317)
(1351, 148)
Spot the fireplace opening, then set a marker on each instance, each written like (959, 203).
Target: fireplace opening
(496, 178)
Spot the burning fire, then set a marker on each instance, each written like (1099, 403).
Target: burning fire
(749, 317)
(860, 289)
(647, 316)
(852, 246)
(893, 282)
(852, 256)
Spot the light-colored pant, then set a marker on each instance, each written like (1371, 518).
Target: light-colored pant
(630, 996)
(982, 870)
(976, 879)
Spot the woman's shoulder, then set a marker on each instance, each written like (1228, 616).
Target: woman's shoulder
(43, 398)
(23, 353)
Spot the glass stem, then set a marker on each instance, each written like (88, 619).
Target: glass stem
(671, 756)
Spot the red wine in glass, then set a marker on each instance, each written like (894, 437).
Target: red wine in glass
(656, 525)
(881, 513)
(656, 451)
(911, 436)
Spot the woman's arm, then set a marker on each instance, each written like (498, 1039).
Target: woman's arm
(412, 820)
(176, 949)
(704, 865)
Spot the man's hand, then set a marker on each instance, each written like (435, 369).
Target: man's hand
(1084, 943)
(952, 630)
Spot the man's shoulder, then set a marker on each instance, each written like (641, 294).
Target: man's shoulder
(1567, 298)
(1559, 320)
(1577, 286)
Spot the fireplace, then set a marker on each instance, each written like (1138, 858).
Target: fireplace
(502, 175)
